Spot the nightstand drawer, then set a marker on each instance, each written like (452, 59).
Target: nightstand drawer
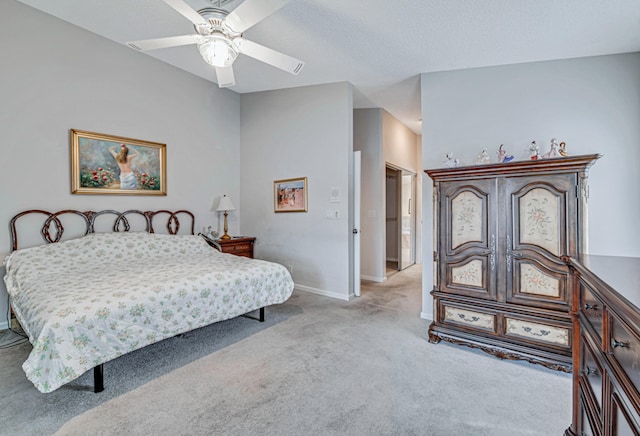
(237, 246)
(234, 248)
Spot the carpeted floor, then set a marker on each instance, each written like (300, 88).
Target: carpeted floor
(317, 366)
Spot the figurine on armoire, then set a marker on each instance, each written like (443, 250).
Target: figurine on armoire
(563, 149)
(483, 157)
(533, 151)
(553, 150)
(503, 156)
(450, 162)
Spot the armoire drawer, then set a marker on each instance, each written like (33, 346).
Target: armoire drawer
(468, 317)
(537, 331)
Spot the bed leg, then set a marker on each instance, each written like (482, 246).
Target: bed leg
(98, 378)
(259, 318)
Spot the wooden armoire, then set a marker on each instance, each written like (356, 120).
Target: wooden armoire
(502, 235)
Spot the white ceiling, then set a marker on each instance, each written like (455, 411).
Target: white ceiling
(380, 46)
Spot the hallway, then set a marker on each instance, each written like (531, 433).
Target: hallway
(401, 291)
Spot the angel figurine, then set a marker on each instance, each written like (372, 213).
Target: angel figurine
(451, 162)
(553, 150)
(483, 158)
(503, 156)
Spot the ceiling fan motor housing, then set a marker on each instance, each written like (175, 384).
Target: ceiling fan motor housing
(216, 44)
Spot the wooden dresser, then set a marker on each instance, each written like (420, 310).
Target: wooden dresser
(240, 246)
(606, 376)
(501, 234)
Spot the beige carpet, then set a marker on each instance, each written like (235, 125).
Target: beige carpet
(322, 367)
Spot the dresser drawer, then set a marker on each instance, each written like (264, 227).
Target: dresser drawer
(591, 374)
(592, 308)
(242, 246)
(625, 420)
(625, 347)
(539, 332)
(468, 317)
(588, 424)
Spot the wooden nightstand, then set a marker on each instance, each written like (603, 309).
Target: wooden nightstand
(242, 246)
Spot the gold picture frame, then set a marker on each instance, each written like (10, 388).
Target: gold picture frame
(115, 165)
(290, 195)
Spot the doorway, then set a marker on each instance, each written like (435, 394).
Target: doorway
(400, 225)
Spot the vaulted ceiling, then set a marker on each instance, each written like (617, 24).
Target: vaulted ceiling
(380, 46)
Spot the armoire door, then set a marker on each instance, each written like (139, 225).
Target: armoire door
(538, 234)
(468, 238)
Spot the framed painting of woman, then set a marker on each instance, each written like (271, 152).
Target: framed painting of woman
(107, 164)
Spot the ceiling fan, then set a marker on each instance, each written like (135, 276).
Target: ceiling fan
(219, 37)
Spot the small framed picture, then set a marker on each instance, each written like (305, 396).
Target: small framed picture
(290, 195)
(106, 164)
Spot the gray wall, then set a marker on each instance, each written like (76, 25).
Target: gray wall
(592, 104)
(367, 138)
(56, 76)
(382, 139)
(300, 132)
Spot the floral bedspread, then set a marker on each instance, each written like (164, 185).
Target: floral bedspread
(86, 301)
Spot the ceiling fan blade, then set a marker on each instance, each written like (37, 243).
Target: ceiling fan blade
(170, 41)
(269, 56)
(225, 76)
(251, 12)
(187, 11)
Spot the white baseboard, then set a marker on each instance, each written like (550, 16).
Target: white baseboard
(4, 325)
(392, 259)
(373, 279)
(322, 292)
(427, 316)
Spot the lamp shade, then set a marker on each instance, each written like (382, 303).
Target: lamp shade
(225, 204)
(217, 50)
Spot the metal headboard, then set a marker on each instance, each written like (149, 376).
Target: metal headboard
(52, 228)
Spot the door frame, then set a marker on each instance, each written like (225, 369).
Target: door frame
(401, 172)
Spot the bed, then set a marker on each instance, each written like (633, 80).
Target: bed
(86, 300)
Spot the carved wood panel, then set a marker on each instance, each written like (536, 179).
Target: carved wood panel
(468, 243)
(540, 229)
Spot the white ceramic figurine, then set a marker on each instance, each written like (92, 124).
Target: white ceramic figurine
(483, 157)
(451, 162)
(553, 150)
(503, 156)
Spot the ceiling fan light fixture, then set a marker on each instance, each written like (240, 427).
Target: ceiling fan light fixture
(217, 50)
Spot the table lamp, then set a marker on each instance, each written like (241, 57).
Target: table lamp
(225, 205)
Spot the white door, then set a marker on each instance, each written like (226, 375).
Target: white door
(356, 223)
